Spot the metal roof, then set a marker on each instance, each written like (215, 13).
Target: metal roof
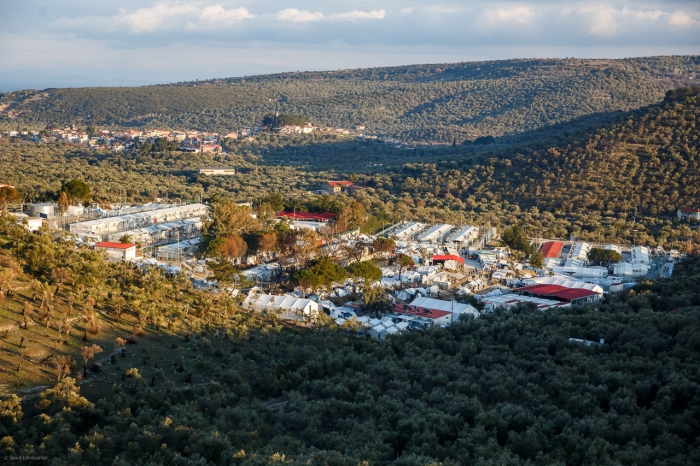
(111, 245)
(552, 249)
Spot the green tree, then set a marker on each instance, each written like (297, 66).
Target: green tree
(320, 272)
(365, 270)
(77, 190)
(275, 200)
(384, 245)
(604, 257)
(404, 262)
(227, 218)
(8, 194)
(537, 259)
(515, 238)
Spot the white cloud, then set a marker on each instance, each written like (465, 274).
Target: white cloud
(357, 14)
(408, 10)
(516, 14)
(607, 21)
(218, 14)
(155, 17)
(601, 19)
(680, 18)
(302, 16)
(297, 16)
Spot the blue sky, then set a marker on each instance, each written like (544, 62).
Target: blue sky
(126, 42)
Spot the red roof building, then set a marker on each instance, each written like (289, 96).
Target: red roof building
(447, 257)
(308, 216)
(552, 249)
(118, 251)
(112, 245)
(340, 183)
(434, 317)
(570, 295)
(689, 212)
(337, 187)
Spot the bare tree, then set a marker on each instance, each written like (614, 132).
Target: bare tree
(63, 366)
(21, 360)
(87, 353)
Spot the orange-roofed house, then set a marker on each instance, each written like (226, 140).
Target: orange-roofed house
(117, 251)
(337, 187)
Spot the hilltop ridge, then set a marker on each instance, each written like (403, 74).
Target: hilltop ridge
(417, 102)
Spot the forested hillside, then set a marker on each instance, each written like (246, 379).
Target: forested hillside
(435, 102)
(619, 179)
(645, 163)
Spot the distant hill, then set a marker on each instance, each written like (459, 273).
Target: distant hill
(645, 162)
(435, 102)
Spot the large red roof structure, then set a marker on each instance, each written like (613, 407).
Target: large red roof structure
(314, 217)
(420, 311)
(111, 245)
(552, 249)
(447, 257)
(573, 294)
(557, 291)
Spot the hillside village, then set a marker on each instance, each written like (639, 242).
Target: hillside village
(426, 274)
(183, 140)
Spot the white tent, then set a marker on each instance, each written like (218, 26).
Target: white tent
(450, 306)
(289, 307)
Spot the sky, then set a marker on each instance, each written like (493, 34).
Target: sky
(127, 42)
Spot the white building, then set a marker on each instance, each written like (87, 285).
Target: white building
(30, 223)
(177, 251)
(435, 233)
(629, 271)
(428, 312)
(132, 221)
(688, 213)
(217, 171)
(408, 230)
(510, 300)
(307, 225)
(580, 251)
(465, 235)
(171, 231)
(641, 255)
(288, 307)
(117, 251)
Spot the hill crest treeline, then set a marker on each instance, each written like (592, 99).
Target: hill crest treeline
(416, 102)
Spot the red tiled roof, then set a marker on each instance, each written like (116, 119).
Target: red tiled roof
(541, 290)
(573, 294)
(307, 216)
(340, 183)
(421, 312)
(448, 257)
(552, 249)
(557, 291)
(690, 210)
(111, 245)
